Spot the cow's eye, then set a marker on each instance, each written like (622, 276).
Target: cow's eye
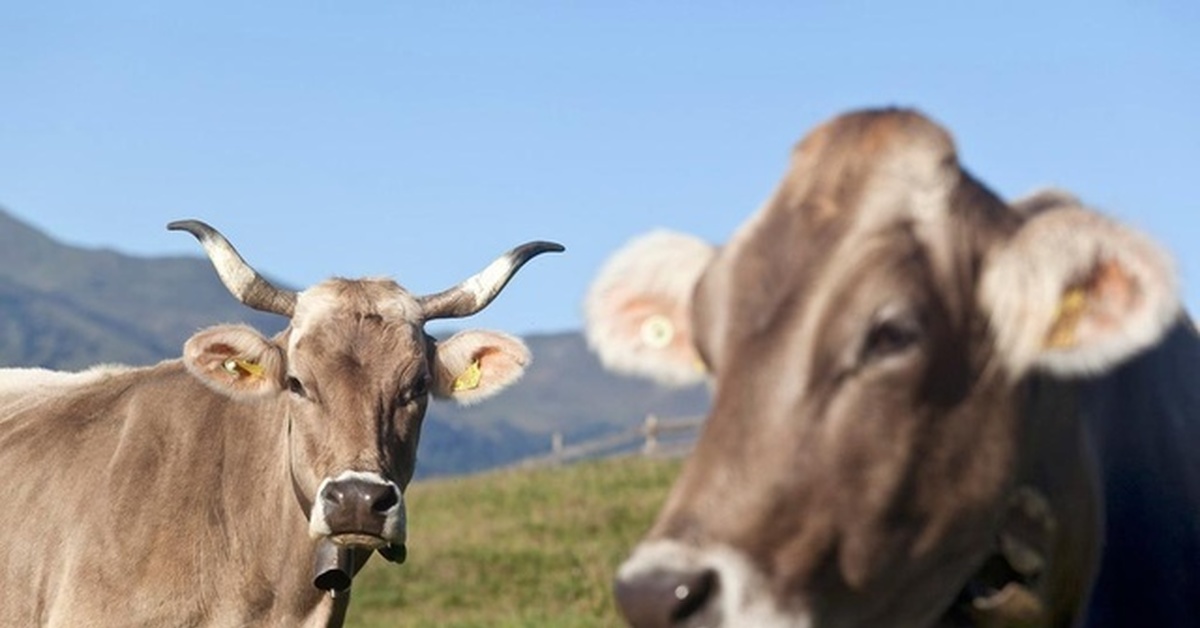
(891, 336)
(418, 390)
(295, 387)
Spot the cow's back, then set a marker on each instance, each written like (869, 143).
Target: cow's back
(1145, 419)
(118, 508)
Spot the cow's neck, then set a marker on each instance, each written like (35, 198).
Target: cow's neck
(280, 535)
(258, 539)
(1144, 418)
(1103, 500)
(286, 540)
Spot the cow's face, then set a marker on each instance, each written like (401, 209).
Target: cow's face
(357, 382)
(349, 380)
(353, 375)
(868, 332)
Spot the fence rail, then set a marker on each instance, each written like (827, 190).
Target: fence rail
(655, 436)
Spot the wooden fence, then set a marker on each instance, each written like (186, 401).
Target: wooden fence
(655, 436)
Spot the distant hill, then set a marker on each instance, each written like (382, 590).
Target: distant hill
(565, 390)
(66, 307)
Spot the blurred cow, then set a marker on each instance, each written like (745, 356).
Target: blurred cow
(931, 408)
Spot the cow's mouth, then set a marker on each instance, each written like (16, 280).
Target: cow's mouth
(997, 595)
(390, 550)
(1004, 590)
(364, 540)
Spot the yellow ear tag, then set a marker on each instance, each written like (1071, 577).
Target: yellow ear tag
(469, 379)
(1066, 321)
(235, 366)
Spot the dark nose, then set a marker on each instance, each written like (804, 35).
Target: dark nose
(667, 598)
(358, 506)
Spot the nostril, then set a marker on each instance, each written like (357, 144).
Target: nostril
(693, 594)
(665, 598)
(333, 495)
(385, 501)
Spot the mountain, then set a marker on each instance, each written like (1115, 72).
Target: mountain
(66, 307)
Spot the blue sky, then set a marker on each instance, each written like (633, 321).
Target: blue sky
(420, 140)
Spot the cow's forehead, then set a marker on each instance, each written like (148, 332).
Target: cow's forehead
(850, 184)
(374, 296)
(863, 171)
(339, 298)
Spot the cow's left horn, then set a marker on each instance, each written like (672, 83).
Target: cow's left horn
(243, 281)
(477, 292)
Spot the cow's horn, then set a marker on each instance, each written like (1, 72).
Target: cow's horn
(477, 292)
(243, 281)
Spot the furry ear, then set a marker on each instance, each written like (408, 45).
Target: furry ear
(1044, 199)
(1075, 293)
(638, 309)
(471, 366)
(234, 360)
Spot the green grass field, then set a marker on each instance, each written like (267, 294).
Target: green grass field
(515, 548)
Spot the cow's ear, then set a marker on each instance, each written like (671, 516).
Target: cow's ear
(473, 365)
(234, 360)
(1044, 199)
(1075, 293)
(637, 311)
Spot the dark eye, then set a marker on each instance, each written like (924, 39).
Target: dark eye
(295, 387)
(418, 390)
(891, 336)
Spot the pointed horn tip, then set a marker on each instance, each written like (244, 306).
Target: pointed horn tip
(543, 246)
(192, 226)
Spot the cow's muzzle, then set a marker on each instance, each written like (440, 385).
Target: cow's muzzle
(668, 598)
(361, 510)
(664, 586)
(671, 584)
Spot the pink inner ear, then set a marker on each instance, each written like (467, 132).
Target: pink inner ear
(484, 352)
(498, 366)
(1114, 293)
(221, 349)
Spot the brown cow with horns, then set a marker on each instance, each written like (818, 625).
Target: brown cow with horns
(202, 491)
(930, 407)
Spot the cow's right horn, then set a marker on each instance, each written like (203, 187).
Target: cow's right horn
(477, 291)
(243, 281)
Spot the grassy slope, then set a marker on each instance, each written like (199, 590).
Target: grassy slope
(515, 548)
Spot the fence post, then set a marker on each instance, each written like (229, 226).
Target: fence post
(556, 447)
(650, 430)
